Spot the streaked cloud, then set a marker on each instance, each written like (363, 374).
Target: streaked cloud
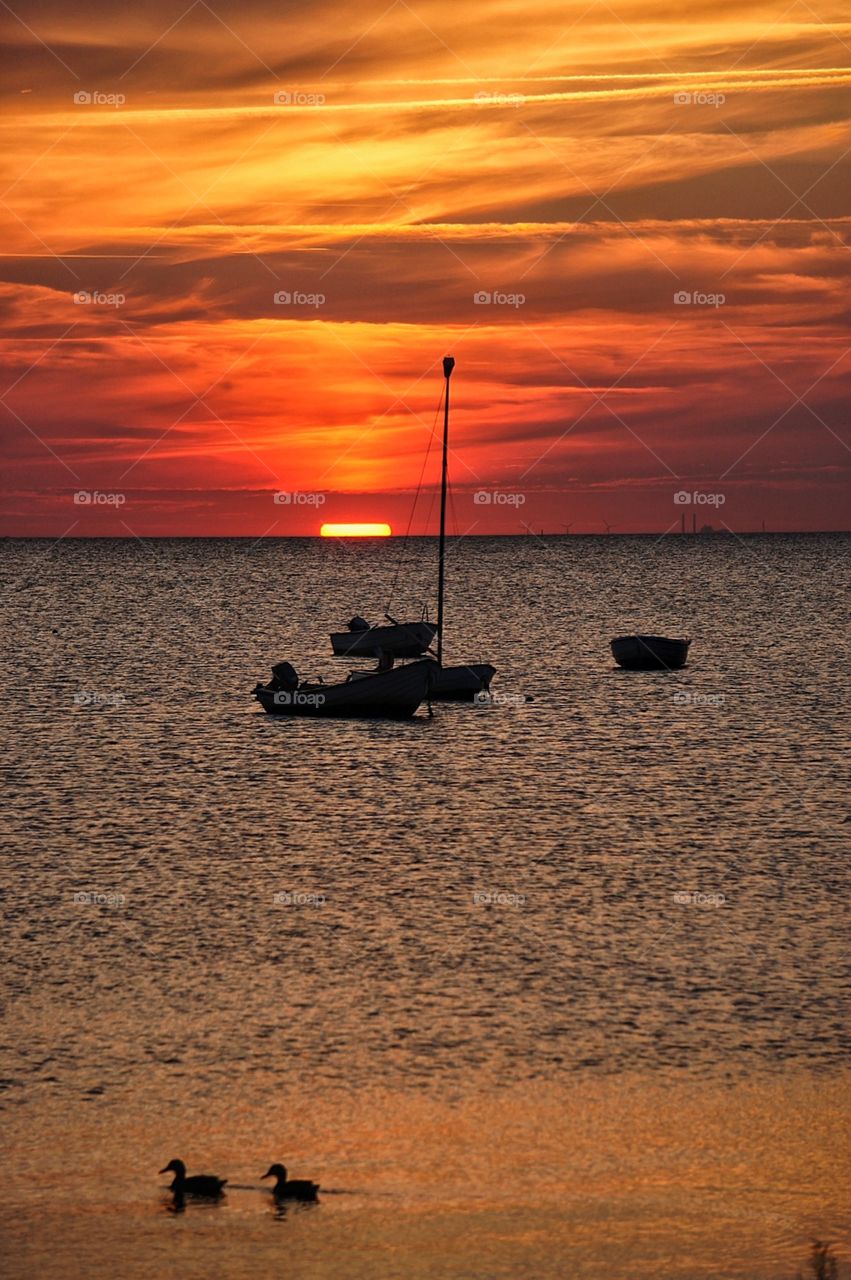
(290, 272)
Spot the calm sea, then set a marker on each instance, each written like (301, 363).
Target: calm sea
(555, 987)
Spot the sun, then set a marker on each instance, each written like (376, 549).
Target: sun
(356, 531)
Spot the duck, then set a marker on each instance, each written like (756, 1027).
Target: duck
(294, 1189)
(200, 1184)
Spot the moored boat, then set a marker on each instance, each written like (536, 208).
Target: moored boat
(401, 640)
(413, 639)
(391, 695)
(650, 653)
(461, 684)
(457, 683)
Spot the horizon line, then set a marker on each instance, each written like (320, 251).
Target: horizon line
(401, 537)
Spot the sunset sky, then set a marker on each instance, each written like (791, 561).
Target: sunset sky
(283, 215)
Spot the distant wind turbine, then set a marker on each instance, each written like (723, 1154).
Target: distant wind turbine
(567, 527)
(609, 527)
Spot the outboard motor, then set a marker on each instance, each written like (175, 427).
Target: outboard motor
(284, 677)
(358, 623)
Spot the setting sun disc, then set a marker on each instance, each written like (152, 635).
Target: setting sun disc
(355, 531)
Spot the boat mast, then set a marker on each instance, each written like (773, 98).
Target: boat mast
(448, 366)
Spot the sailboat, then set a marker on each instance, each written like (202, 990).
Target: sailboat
(414, 639)
(462, 682)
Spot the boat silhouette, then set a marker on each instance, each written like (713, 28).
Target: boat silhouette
(391, 695)
(415, 639)
(401, 639)
(650, 653)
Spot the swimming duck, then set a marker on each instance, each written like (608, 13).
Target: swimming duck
(200, 1184)
(296, 1189)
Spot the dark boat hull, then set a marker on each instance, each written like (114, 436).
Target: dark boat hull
(461, 684)
(405, 640)
(389, 695)
(650, 653)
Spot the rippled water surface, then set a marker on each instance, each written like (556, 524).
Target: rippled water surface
(562, 987)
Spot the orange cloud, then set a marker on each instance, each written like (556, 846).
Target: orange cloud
(271, 283)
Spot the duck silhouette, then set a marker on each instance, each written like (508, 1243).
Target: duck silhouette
(294, 1189)
(200, 1184)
